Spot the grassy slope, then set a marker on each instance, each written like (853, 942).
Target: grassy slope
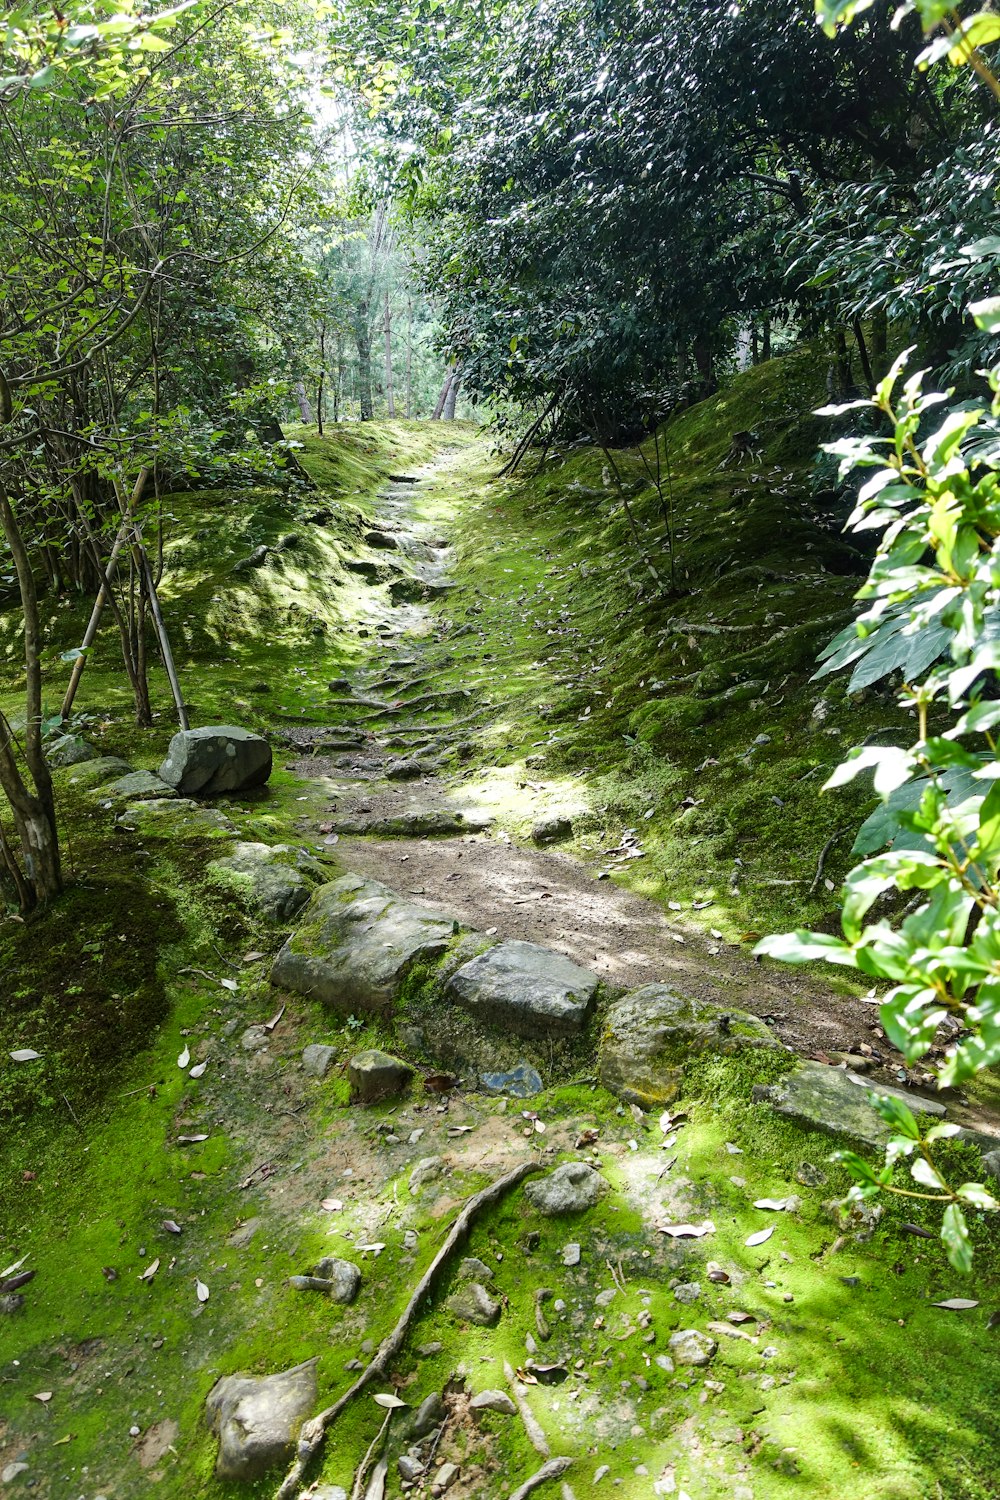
(818, 1419)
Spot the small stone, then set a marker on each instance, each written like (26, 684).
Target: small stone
(328, 1492)
(688, 1292)
(571, 1254)
(689, 1346)
(428, 1351)
(601, 1473)
(473, 1269)
(254, 1039)
(318, 1059)
(409, 1468)
(521, 1082)
(641, 1470)
(444, 1478)
(570, 1189)
(497, 1401)
(426, 1169)
(427, 1415)
(810, 1175)
(343, 1275)
(11, 1472)
(473, 1304)
(243, 1234)
(411, 1240)
(605, 1299)
(665, 1363)
(377, 1075)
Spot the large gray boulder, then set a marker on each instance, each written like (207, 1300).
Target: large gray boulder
(651, 1032)
(217, 758)
(273, 880)
(836, 1102)
(357, 943)
(527, 989)
(257, 1418)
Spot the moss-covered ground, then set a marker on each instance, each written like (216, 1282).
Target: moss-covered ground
(846, 1380)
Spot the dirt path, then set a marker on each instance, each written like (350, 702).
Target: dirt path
(396, 720)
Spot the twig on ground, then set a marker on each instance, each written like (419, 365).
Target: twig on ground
(835, 835)
(551, 1470)
(359, 1478)
(536, 1437)
(314, 1431)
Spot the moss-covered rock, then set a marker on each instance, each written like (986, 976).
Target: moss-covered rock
(272, 880)
(652, 1032)
(176, 818)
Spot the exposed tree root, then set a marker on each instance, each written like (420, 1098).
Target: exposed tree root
(551, 1470)
(314, 1431)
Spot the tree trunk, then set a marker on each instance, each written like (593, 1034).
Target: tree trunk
(452, 397)
(319, 384)
(765, 346)
(362, 335)
(880, 343)
(303, 400)
(409, 357)
(442, 396)
(33, 812)
(390, 398)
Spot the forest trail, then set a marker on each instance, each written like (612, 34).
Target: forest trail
(395, 802)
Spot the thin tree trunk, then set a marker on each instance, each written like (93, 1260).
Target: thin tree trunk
(92, 624)
(303, 400)
(33, 812)
(765, 346)
(880, 343)
(409, 357)
(866, 364)
(448, 414)
(390, 397)
(319, 384)
(362, 335)
(442, 396)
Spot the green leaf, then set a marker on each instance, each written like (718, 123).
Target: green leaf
(803, 947)
(987, 314)
(921, 1171)
(955, 1234)
(978, 1196)
(895, 1113)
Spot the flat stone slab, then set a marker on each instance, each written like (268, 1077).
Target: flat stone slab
(274, 880)
(176, 818)
(836, 1102)
(529, 990)
(97, 772)
(437, 822)
(257, 1418)
(651, 1032)
(137, 786)
(217, 758)
(357, 943)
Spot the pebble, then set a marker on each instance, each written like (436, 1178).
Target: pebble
(571, 1254)
(688, 1291)
(497, 1401)
(411, 1240)
(444, 1478)
(601, 1473)
(605, 1298)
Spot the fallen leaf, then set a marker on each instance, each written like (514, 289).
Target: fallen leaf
(778, 1205)
(387, 1399)
(716, 1273)
(14, 1283)
(109, 1273)
(917, 1231)
(67, 1439)
(331, 1205)
(740, 1317)
(229, 984)
(957, 1304)
(586, 1138)
(25, 1054)
(440, 1083)
(759, 1236)
(687, 1231)
(540, 1127)
(201, 1290)
(728, 1331)
(151, 1270)
(272, 1023)
(190, 1140)
(14, 1266)
(993, 1321)
(254, 957)
(376, 1248)
(184, 1058)
(43, 1396)
(198, 1070)
(172, 1226)
(549, 1374)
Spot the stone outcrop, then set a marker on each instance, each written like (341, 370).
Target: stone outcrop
(217, 758)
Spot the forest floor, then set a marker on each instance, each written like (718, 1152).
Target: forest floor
(514, 698)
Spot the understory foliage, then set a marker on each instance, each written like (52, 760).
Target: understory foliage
(931, 616)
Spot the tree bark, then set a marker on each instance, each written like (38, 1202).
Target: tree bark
(33, 812)
(409, 357)
(451, 398)
(303, 400)
(390, 398)
(442, 396)
(362, 335)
